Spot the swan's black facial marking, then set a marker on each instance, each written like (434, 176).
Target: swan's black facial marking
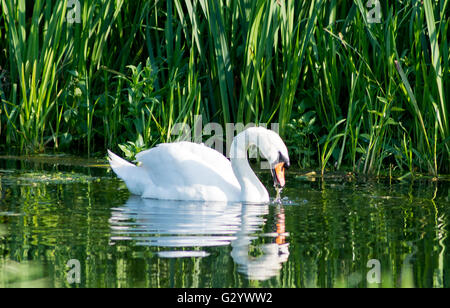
(283, 159)
(278, 170)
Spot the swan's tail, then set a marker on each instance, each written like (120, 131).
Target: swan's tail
(134, 177)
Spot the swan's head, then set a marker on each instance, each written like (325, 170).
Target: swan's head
(271, 147)
(274, 150)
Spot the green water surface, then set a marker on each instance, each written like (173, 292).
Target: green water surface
(327, 232)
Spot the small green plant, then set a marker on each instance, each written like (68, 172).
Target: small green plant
(301, 134)
(140, 102)
(130, 149)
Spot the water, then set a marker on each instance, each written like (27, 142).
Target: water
(332, 232)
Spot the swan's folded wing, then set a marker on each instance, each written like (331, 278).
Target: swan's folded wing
(186, 164)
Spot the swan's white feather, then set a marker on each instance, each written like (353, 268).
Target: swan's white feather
(136, 178)
(180, 171)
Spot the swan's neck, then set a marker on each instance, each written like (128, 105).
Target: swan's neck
(252, 189)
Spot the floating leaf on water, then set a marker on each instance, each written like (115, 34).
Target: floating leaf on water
(6, 171)
(50, 177)
(10, 214)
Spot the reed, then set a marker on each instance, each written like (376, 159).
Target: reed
(348, 93)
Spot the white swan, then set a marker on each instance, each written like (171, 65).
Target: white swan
(191, 171)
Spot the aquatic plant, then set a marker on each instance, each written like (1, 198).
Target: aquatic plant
(96, 74)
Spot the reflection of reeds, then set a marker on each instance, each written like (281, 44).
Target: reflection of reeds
(22, 275)
(345, 91)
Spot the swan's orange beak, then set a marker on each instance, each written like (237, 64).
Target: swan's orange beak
(279, 173)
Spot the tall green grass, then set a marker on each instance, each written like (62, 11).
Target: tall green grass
(348, 94)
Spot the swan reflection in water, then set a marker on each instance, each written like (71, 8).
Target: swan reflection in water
(184, 224)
